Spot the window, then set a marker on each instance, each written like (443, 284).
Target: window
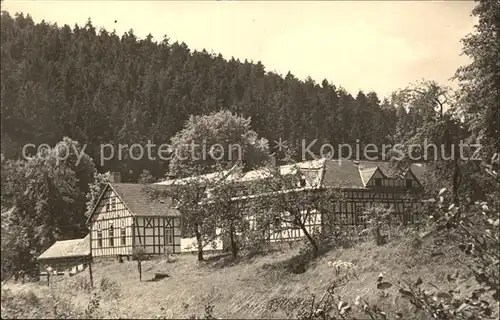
(99, 239)
(302, 181)
(123, 234)
(113, 203)
(378, 182)
(169, 235)
(208, 193)
(409, 183)
(277, 222)
(360, 208)
(111, 234)
(177, 222)
(175, 203)
(107, 206)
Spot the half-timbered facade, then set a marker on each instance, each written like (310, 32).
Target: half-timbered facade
(362, 184)
(125, 218)
(365, 184)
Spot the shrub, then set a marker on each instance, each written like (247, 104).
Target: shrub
(93, 306)
(82, 284)
(110, 288)
(475, 230)
(379, 220)
(21, 305)
(209, 309)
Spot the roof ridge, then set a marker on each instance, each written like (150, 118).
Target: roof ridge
(68, 240)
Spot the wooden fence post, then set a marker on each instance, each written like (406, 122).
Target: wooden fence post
(139, 253)
(139, 267)
(90, 273)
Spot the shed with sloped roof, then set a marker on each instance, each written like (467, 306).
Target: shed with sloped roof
(66, 256)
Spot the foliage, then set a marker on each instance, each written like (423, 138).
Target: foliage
(292, 203)
(477, 227)
(221, 139)
(45, 196)
(139, 253)
(146, 177)
(328, 307)
(378, 219)
(209, 309)
(204, 197)
(480, 80)
(230, 213)
(476, 230)
(189, 196)
(109, 288)
(446, 145)
(100, 87)
(56, 301)
(93, 306)
(95, 189)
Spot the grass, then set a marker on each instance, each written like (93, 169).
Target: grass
(260, 287)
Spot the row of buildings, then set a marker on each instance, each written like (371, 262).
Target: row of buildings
(125, 217)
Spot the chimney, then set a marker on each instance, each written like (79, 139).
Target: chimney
(245, 166)
(115, 177)
(273, 160)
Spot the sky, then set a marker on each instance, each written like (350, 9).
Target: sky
(376, 46)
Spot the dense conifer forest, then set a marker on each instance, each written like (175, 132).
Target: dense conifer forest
(96, 86)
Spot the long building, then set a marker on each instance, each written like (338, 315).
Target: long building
(362, 185)
(125, 217)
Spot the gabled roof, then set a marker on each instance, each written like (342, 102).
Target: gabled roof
(74, 248)
(138, 202)
(199, 178)
(234, 175)
(411, 173)
(343, 173)
(307, 166)
(367, 174)
(419, 171)
(356, 174)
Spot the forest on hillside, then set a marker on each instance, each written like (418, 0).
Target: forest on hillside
(97, 87)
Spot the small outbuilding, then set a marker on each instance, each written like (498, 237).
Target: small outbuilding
(66, 256)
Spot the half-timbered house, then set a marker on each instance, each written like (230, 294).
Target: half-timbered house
(125, 217)
(362, 184)
(206, 181)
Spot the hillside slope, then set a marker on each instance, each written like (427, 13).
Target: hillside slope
(99, 87)
(262, 287)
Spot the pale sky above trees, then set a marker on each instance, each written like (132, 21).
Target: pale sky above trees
(368, 45)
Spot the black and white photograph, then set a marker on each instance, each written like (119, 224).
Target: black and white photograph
(223, 159)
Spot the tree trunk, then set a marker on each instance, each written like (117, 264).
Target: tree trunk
(456, 182)
(234, 246)
(379, 239)
(90, 274)
(309, 237)
(199, 242)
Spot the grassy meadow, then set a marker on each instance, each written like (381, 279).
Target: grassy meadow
(263, 286)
